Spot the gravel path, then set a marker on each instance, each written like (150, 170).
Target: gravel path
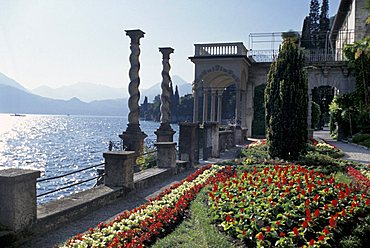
(107, 213)
(352, 152)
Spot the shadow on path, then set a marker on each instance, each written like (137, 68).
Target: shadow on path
(352, 152)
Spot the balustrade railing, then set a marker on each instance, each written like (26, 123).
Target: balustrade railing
(263, 55)
(220, 49)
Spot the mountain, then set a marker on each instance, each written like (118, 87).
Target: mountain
(4, 80)
(14, 100)
(183, 86)
(87, 92)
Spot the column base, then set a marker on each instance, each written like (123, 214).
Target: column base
(133, 138)
(165, 133)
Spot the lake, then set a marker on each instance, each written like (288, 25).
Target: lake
(57, 145)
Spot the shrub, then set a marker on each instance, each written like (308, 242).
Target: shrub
(286, 104)
(357, 138)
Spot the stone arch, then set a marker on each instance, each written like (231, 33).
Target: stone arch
(216, 75)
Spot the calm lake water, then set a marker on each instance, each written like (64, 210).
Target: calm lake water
(57, 145)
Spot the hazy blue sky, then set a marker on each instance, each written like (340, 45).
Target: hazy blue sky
(50, 42)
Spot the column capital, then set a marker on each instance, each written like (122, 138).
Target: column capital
(135, 35)
(166, 51)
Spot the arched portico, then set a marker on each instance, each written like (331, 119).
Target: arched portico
(218, 66)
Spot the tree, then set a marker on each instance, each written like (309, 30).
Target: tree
(286, 103)
(185, 111)
(314, 18)
(367, 6)
(175, 100)
(306, 33)
(324, 24)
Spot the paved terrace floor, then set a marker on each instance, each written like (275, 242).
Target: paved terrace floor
(352, 152)
(107, 213)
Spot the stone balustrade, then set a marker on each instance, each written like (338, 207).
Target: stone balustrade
(220, 49)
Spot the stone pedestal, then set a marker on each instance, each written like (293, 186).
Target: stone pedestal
(133, 138)
(18, 198)
(189, 143)
(119, 170)
(166, 154)
(238, 135)
(211, 140)
(165, 133)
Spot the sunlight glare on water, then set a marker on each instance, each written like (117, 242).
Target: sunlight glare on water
(57, 145)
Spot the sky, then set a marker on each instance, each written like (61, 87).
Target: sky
(62, 42)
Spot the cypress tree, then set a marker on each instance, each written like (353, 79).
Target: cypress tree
(324, 23)
(286, 103)
(306, 33)
(314, 23)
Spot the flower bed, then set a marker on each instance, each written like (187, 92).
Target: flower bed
(144, 224)
(284, 206)
(361, 176)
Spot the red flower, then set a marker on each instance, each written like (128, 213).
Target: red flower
(334, 203)
(326, 231)
(295, 230)
(332, 222)
(367, 202)
(312, 242)
(317, 213)
(282, 234)
(268, 229)
(321, 238)
(304, 224)
(277, 223)
(228, 218)
(260, 236)
(316, 197)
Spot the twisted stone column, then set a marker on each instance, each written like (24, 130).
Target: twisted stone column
(133, 138)
(133, 88)
(165, 132)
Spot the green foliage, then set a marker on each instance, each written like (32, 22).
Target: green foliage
(358, 55)
(258, 125)
(185, 109)
(196, 231)
(314, 18)
(181, 108)
(315, 115)
(360, 137)
(360, 237)
(345, 114)
(286, 104)
(324, 23)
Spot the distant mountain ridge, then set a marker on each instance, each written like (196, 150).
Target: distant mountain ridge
(84, 91)
(88, 92)
(14, 100)
(5, 80)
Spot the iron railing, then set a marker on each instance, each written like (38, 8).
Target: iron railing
(68, 174)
